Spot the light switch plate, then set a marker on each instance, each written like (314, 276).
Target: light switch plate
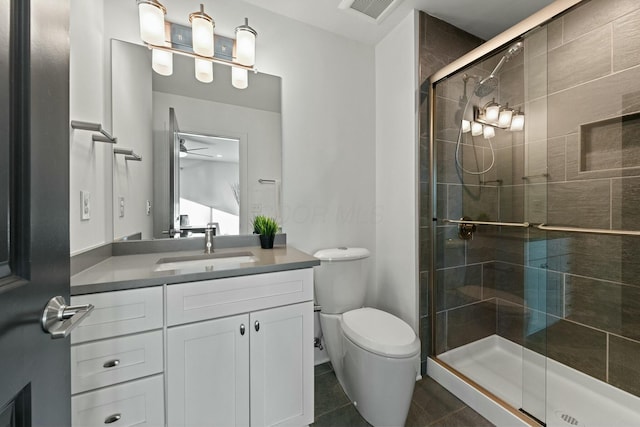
(148, 207)
(121, 206)
(85, 205)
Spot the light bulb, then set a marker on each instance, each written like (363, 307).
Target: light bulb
(492, 112)
(202, 32)
(466, 126)
(246, 44)
(239, 78)
(183, 154)
(476, 129)
(204, 70)
(505, 118)
(151, 15)
(517, 122)
(162, 62)
(489, 132)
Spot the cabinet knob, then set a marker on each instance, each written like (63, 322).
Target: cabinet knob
(257, 325)
(242, 329)
(112, 418)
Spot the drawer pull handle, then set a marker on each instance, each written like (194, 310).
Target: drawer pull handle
(111, 364)
(242, 328)
(257, 325)
(112, 418)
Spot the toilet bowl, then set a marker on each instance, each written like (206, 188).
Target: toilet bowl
(374, 354)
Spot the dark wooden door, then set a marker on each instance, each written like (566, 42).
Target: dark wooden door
(34, 209)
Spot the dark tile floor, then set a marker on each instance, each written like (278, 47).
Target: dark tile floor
(432, 405)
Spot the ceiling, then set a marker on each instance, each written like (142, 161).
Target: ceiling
(210, 148)
(483, 18)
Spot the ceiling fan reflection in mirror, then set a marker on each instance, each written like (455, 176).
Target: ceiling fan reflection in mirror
(184, 151)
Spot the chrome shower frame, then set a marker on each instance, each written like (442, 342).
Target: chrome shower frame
(501, 41)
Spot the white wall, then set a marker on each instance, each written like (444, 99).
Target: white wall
(327, 114)
(397, 170)
(90, 163)
(328, 108)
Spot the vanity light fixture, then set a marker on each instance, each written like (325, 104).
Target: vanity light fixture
(488, 132)
(466, 126)
(492, 111)
(202, 26)
(496, 116)
(246, 44)
(517, 122)
(504, 120)
(239, 78)
(151, 14)
(152, 33)
(162, 62)
(204, 70)
(476, 129)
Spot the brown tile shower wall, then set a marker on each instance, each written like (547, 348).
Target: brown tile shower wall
(587, 72)
(440, 43)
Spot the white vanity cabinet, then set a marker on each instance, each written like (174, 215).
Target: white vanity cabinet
(248, 357)
(234, 351)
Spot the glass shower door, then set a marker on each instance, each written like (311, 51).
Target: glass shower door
(491, 172)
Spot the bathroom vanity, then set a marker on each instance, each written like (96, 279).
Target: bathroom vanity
(192, 344)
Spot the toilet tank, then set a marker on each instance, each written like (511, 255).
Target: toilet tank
(340, 282)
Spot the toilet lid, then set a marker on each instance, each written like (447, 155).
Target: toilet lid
(380, 332)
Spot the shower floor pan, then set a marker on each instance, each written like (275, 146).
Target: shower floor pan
(572, 398)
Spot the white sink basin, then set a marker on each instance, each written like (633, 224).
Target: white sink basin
(209, 262)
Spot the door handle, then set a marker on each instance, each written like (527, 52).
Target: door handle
(59, 319)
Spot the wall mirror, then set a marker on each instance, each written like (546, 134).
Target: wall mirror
(211, 153)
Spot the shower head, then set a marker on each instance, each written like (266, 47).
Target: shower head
(490, 83)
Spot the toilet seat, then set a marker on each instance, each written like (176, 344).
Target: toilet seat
(380, 332)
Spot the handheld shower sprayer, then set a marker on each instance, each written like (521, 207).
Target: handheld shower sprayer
(483, 88)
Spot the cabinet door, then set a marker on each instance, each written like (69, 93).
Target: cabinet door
(207, 375)
(281, 365)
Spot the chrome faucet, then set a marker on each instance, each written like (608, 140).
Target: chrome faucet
(208, 239)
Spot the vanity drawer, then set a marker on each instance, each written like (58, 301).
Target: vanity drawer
(139, 403)
(208, 299)
(119, 313)
(106, 362)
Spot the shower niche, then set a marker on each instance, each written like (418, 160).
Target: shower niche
(610, 144)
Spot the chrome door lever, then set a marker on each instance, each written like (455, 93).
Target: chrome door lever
(59, 319)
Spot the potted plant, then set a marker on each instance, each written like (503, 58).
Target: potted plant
(267, 228)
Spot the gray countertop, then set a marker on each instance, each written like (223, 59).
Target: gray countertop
(137, 271)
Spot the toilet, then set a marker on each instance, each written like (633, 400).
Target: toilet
(375, 355)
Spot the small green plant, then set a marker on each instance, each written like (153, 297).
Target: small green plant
(265, 226)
